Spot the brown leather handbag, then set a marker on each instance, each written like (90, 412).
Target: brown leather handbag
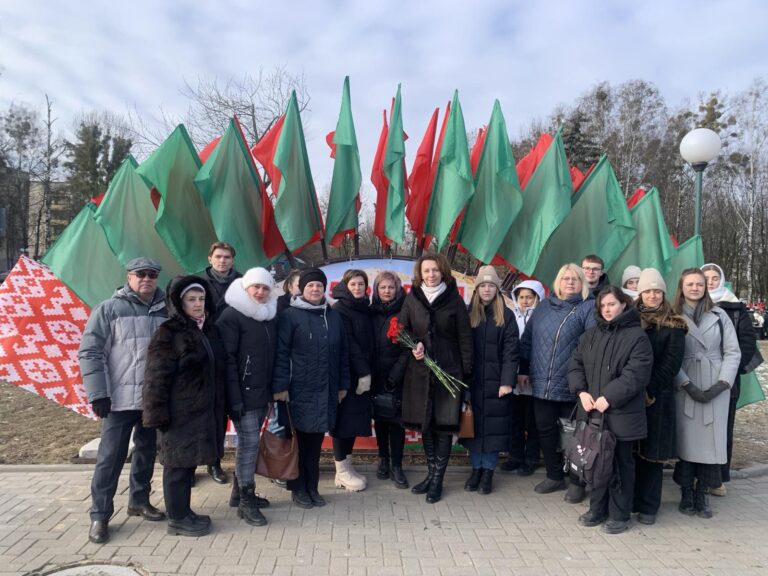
(467, 421)
(278, 457)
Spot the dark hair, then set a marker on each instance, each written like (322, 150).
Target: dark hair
(354, 273)
(616, 292)
(595, 259)
(442, 264)
(221, 246)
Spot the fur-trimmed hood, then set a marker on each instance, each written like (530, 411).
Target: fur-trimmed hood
(239, 299)
(173, 300)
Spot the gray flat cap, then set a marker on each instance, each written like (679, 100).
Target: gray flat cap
(143, 263)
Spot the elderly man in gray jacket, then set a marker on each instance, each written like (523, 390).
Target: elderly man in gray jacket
(113, 354)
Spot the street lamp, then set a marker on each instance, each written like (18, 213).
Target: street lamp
(699, 147)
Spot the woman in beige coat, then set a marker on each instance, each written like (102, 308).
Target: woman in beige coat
(710, 363)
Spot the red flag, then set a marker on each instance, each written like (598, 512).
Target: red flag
(526, 166)
(637, 195)
(380, 183)
(420, 181)
(43, 322)
(264, 152)
(427, 240)
(577, 177)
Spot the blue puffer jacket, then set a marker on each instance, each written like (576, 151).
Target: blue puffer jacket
(550, 337)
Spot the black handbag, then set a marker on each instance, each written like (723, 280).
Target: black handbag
(589, 456)
(387, 404)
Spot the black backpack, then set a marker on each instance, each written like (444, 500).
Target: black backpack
(589, 454)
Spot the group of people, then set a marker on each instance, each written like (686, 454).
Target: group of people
(171, 367)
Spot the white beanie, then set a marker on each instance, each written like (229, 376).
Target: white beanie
(650, 279)
(629, 273)
(257, 276)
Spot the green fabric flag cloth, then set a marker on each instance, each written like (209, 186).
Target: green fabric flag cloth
(182, 220)
(127, 215)
(296, 210)
(497, 198)
(82, 259)
(344, 200)
(232, 190)
(751, 390)
(546, 202)
(454, 183)
(651, 247)
(599, 223)
(394, 170)
(689, 254)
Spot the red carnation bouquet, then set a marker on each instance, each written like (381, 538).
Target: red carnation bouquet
(398, 335)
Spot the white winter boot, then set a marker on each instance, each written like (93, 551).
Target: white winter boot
(355, 473)
(345, 479)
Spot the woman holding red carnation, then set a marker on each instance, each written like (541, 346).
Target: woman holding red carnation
(435, 315)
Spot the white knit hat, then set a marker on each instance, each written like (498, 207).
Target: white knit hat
(650, 279)
(629, 273)
(257, 276)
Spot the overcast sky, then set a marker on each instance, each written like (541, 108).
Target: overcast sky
(531, 55)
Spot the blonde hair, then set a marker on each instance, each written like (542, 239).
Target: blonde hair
(477, 309)
(575, 268)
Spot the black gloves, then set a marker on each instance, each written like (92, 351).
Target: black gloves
(236, 412)
(716, 390)
(705, 396)
(102, 407)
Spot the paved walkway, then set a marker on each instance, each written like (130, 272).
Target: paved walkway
(382, 531)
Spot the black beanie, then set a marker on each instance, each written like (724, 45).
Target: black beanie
(312, 275)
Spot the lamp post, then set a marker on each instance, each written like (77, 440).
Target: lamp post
(699, 147)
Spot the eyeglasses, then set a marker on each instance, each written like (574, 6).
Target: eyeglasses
(592, 269)
(151, 274)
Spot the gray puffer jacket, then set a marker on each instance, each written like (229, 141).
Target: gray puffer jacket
(113, 350)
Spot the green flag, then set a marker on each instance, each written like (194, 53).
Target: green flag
(599, 222)
(82, 259)
(690, 254)
(232, 190)
(546, 202)
(182, 219)
(393, 221)
(126, 214)
(454, 184)
(344, 200)
(497, 198)
(751, 390)
(651, 247)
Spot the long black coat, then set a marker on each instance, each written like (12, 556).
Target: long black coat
(251, 343)
(495, 364)
(219, 289)
(668, 345)
(311, 363)
(444, 328)
(184, 385)
(742, 321)
(354, 414)
(614, 359)
(388, 362)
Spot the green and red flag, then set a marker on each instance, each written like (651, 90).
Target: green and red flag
(599, 222)
(344, 200)
(127, 216)
(83, 260)
(689, 254)
(453, 182)
(283, 153)
(420, 180)
(389, 222)
(546, 202)
(497, 198)
(474, 161)
(182, 220)
(378, 178)
(234, 194)
(651, 247)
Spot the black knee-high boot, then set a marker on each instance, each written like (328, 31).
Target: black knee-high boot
(428, 438)
(442, 454)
